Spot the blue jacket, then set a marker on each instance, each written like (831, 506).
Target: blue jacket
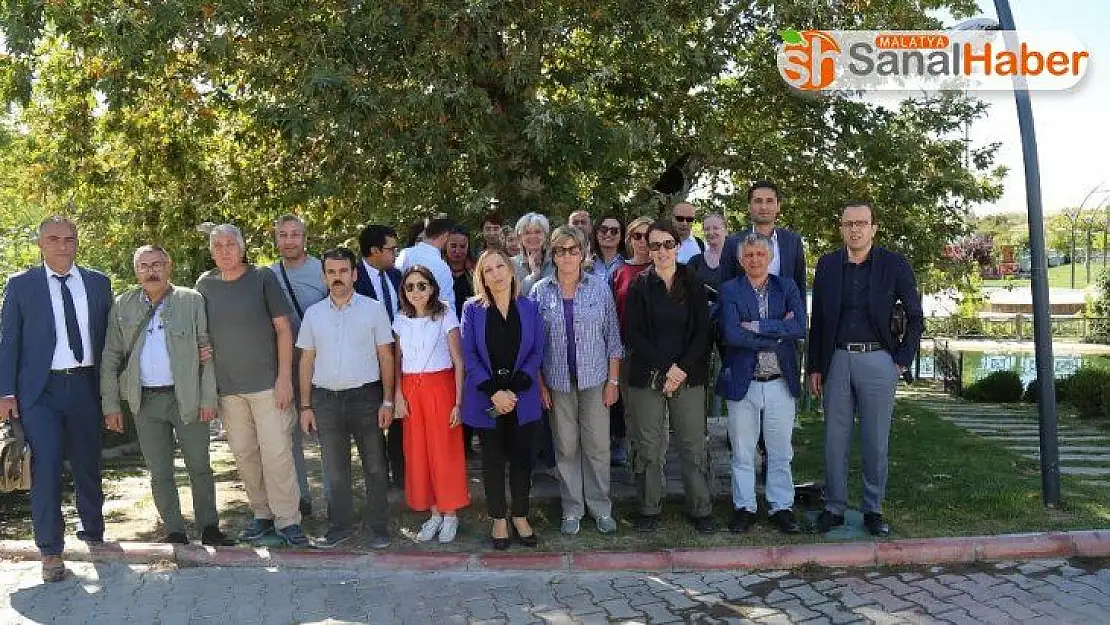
(739, 303)
(792, 258)
(892, 280)
(529, 357)
(27, 330)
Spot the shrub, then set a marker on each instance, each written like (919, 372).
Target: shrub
(999, 386)
(1089, 391)
(1032, 392)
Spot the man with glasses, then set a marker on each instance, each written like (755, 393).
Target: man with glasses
(689, 246)
(855, 361)
(788, 260)
(169, 389)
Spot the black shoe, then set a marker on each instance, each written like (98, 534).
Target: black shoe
(305, 507)
(89, 538)
(784, 521)
(828, 520)
(704, 524)
(530, 540)
(742, 521)
(875, 525)
(647, 523)
(500, 544)
(175, 538)
(211, 536)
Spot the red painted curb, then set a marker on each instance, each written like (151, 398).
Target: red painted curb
(842, 554)
(420, 561)
(620, 561)
(727, 558)
(1091, 544)
(925, 551)
(194, 555)
(529, 561)
(1023, 546)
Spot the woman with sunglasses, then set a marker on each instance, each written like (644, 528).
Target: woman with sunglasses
(579, 382)
(666, 328)
(503, 343)
(607, 245)
(429, 396)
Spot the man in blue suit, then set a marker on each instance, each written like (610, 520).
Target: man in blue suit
(855, 360)
(378, 279)
(764, 204)
(52, 329)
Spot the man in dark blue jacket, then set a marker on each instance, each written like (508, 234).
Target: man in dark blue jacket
(855, 361)
(762, 320)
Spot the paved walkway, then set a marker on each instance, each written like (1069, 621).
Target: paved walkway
(1048, 592)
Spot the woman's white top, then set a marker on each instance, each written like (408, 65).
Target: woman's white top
(424, 345)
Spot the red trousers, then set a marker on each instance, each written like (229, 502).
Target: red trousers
(435, 463)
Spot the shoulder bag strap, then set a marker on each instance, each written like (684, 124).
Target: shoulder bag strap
(292, 294)
(138, 331)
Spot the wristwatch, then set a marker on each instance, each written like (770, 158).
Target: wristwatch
(303, 408)
(614, 382)
(387, 404)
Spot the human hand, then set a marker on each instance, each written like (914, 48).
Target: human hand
(9, 407)
(503, 401)
(308, 420)
(545, 396)
(114, 421)
(283, 392)
(815, 384)
(676, 374)
(207, 414)
(385, 416)
(205, 353)
(610, 395)
(456, 417)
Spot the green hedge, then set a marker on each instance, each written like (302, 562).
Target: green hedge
(998, 386)
(1088, 390)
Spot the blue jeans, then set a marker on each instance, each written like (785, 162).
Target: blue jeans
(771, 406)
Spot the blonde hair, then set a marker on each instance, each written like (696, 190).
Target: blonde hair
(632, 225)
(481, 291)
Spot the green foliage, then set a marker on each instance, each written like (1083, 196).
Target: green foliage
(1088, 389)
(1032, 394)
(997, 386)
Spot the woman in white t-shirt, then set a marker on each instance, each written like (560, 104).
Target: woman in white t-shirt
(430, 368)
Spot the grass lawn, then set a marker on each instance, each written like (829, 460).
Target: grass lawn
(1058, 277)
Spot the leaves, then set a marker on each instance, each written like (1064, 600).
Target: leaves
(790, 36)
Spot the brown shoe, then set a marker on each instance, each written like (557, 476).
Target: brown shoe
(53, 569)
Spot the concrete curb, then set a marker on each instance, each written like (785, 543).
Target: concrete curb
(1085, 543)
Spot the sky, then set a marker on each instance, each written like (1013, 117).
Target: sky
(1072, 127)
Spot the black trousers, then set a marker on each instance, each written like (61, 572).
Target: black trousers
(512, 443)
(395, 452)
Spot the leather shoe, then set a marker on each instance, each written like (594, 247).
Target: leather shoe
(647, 523)
(53, 569)
(784, 521)
(828, 520)
(704, 524)
(742, 521)
(211, 536)
(176, 538)
(875, 525)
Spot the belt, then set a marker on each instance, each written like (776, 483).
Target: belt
(158, 389)
(860, 347)
(768, 378)
(348, 390)
(73, 370)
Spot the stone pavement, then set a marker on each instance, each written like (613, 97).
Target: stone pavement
(1009, 592)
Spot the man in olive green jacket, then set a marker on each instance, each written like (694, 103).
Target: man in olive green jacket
(153, 362)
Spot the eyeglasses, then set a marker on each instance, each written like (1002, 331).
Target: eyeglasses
(685, 220)
(637, 236)
(570, 250)
(669, 244)
(155, 266)
(416, 286)
(854, 225)
(389, 248)
(608, 230)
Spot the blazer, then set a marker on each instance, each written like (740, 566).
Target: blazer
(365, 286)
(27, 330)
(892, 280)
(792, 258)
(643, 356)
(739, 303)
(185, 323)
(529, 357)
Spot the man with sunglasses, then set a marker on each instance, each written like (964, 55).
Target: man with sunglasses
(855, 361)
(690, 246)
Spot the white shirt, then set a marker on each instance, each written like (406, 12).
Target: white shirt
(381, 281)
(424, 345)
(345, 341)
(688, 250)
(63, 355)
(429, 255)
(776, 257)
(154, 360)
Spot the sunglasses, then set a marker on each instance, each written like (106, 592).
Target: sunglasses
(669, 244)
(637, 236)
(416, 286)
(685, 220)
(608, 230)
(570, 250)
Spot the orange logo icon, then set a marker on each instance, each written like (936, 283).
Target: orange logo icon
(808, 58)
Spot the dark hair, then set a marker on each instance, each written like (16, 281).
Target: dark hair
(764, 184)
(374, 236)
(620, 239)
(867, 203)
(340, 253)
(438, 227)
(492, 217)
(435, 306)
(678, 286)
(413, 234)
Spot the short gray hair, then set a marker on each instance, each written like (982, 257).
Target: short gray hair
(57, 219)
(143, 249)
(574, 233)
(532, 220)
(288, 217)
(227, 230)
(754, 238)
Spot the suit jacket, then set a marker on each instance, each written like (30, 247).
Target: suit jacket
(529, 357)
(892, 280)
(27, 334)
(792, 258)
(364, 286)
(739, 303)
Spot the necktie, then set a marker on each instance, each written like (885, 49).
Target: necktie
(387, 299)
(73, 331)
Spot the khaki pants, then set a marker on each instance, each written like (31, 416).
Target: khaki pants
(580, 425)
(261, 438)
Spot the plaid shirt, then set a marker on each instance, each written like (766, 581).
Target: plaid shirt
(596, 332)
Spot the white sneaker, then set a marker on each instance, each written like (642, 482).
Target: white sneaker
(430, 528)
(449, 529)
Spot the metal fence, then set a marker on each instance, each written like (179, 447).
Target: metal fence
(1085, 329)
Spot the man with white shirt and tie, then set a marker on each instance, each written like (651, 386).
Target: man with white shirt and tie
(52, 328)
(378, 279)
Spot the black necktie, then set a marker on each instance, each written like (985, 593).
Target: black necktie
(387, 299)
(73, 331)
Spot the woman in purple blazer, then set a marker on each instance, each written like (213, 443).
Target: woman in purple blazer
(503, 336)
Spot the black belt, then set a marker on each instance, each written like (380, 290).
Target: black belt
(768, 378)
(366, 386)
(158, 389)
(73, 370)
(860, 347)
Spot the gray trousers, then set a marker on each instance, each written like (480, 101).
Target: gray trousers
(340, 417)
(648, 430)
(156, 425)
(862, 383)
(580, 428)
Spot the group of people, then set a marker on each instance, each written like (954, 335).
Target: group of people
(599, 331)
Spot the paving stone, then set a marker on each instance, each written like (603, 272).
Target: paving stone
(659, 613)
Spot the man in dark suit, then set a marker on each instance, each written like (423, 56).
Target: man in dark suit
(378, 279)
(855, 361)
(764, 204)
(53, 324)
